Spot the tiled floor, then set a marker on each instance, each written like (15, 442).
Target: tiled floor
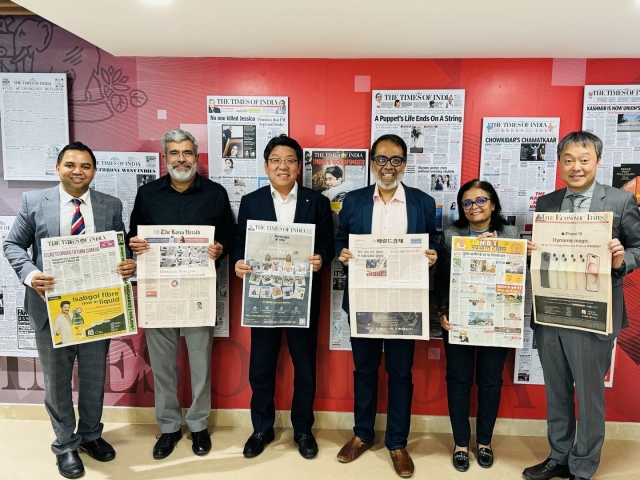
(26, 455)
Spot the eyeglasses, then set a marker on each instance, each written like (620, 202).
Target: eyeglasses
(381, 161)
(278, 161)
(480, 202)
(187, 154)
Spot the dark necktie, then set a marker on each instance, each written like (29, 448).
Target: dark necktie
(576, 201)
(77, 222)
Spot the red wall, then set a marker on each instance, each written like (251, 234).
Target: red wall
(321, 92)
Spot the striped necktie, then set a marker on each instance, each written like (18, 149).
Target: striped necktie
(576, 201)
(77, 222)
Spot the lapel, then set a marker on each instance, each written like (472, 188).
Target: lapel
(556, 203)
(303, 204)
(99, 210)
(367, 210)
(266, 205)
(51, 210)
(412, 210)
(598, 199)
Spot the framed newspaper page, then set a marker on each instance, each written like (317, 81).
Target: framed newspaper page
(571, 270)
(277, 293)
(389, 286)
(90, 300)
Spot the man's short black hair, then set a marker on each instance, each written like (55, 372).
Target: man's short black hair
(390, 137)
(65, 302)
(77, 146)
(283, 141)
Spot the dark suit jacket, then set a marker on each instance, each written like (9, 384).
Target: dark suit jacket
(357, 213)
(311, 207)
(39, 217)
(626, 228)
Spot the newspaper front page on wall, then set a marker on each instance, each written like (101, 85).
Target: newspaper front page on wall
(239, 128)
(518, 157)
(430, 122)
(176, 277)
(612, 112)
(486, 304)
(120, 174)
(90, 300)
(277, 293)
(334, 173)
(35, 124)
(571, 270)
(389, 286)
(17, 338)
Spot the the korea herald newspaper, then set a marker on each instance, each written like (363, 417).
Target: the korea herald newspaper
(90, 300)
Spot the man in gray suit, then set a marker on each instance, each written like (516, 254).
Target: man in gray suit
(574, 356)
(68, 208)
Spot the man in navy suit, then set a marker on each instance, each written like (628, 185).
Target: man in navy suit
(285, 201)
(388, 207)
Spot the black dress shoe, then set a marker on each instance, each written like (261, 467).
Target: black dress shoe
(485, 457)
(307, 445)
(99, 449)
(256, 443)
(576, 477)
(460, 460)
(70, 465)
(165, 444)
(548, 469)
(201, 442)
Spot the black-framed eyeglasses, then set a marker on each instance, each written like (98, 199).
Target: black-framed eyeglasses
(287, 161)
(381, 160)
(480, 202)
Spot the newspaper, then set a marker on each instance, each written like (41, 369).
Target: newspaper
(120, 174)
(389, 286)
(612, 112)
(430, 122)
(278, 291)
(518, 157)
(35, 124)
(90, 300)
(176, 277)
(625, 177)
(239, 128)
(340, 332)
(571, 270)
(222, 299)
(528, 369)
(17, 338)
(486, 304)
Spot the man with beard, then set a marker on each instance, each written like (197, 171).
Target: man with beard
(182, 197)
(388, 207)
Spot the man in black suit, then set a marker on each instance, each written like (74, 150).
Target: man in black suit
(285, 201)
(212, 106)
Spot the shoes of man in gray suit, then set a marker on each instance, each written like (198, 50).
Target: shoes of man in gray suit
(550, 468)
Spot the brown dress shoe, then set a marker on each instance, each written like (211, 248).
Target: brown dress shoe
(402, 462)
(353, 449)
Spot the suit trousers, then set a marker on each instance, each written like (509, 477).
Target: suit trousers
(489, 364)
(57, 367)
(367, 356)
(568, 357)
(163, 353)
(265, 348)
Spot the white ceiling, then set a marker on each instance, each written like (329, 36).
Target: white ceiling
(352, 28)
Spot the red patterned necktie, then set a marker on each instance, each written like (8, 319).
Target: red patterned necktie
(77, 222)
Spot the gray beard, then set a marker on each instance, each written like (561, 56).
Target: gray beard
(182, 176)
(391, 186)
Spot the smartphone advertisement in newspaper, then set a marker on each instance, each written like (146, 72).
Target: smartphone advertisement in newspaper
(571, 270)
(176, 277)
(389, 286)
(518, 157)
(486, 304)
(90, 300)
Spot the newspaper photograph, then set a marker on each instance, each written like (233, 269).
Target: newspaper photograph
(90, 300)
(527, 369)
(176, 277)
(120, 174)
(625, 177)
(17, 338)
(340, 332)
(239, 128)
(35, 124)
(571, 270)
(277, 293)
(486, 304)
(389, 286)
(430, 122)
(612, 112)
(518, 157)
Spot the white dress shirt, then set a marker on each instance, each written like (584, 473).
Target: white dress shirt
(285, 209)
(389, 218)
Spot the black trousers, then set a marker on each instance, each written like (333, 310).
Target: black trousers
(489, 363)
